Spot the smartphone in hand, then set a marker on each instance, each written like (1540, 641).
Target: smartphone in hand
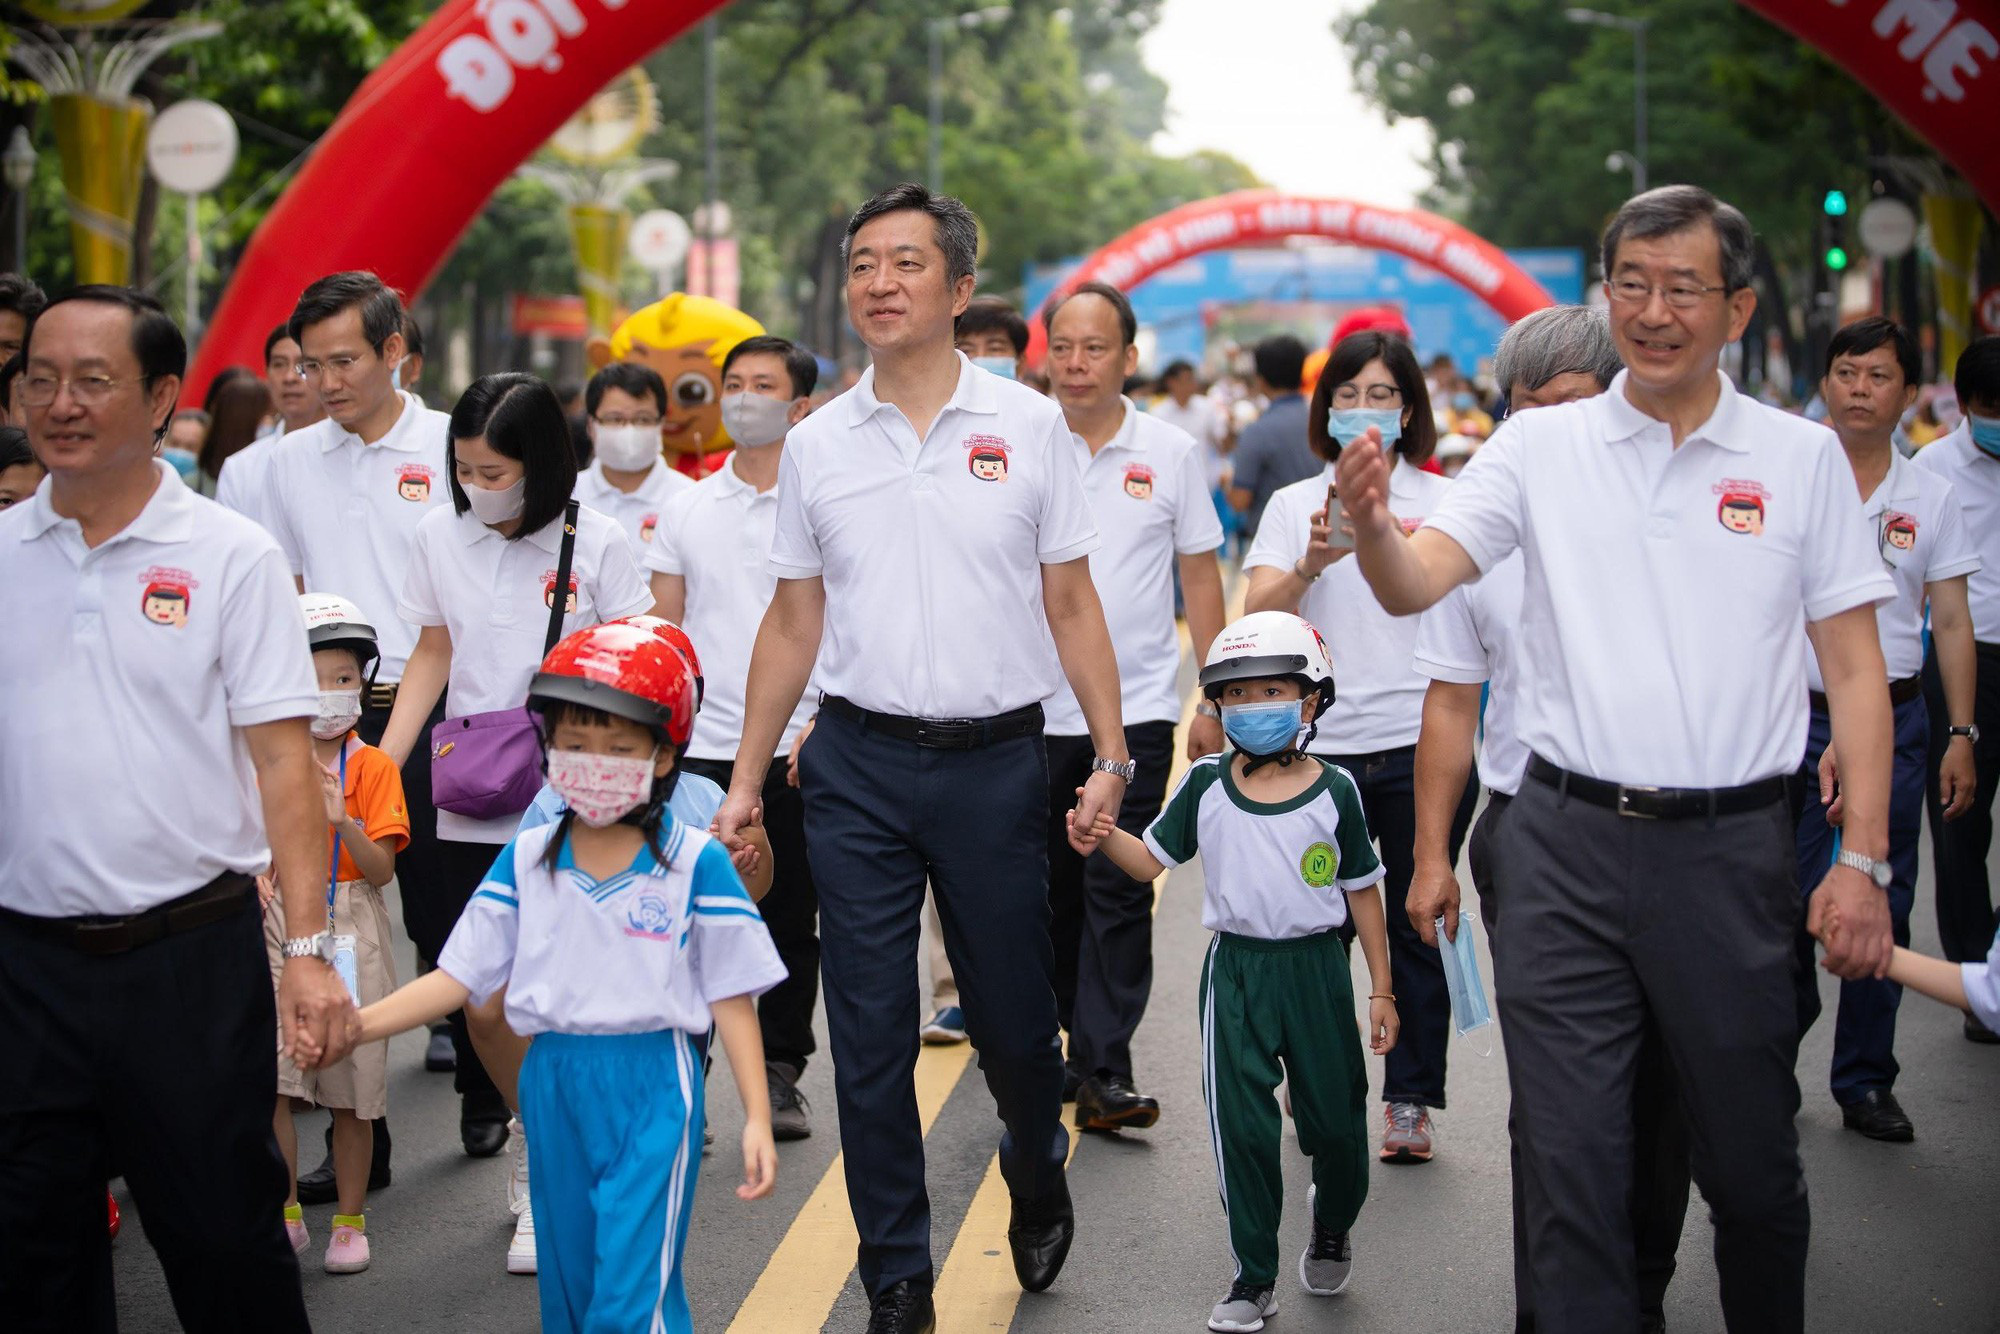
(1335, 538)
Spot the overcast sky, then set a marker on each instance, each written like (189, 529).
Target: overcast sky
(1267, 81)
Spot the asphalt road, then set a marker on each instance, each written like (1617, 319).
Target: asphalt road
(1905, 1237)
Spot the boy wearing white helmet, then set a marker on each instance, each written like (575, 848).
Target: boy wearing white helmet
(367, 825)
(1287, 862)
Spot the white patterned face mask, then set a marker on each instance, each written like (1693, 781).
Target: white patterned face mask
(601, 789)
(339, 710)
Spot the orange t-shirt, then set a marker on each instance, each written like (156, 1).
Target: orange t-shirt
(374, 792)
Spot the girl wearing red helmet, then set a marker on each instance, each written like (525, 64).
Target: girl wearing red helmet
(619, 935)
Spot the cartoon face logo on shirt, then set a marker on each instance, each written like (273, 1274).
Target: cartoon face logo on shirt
(1899, 531)
(167, 596)
(647, 523)
(549, 593)
(650, 918)
(1740, 508)
(1139, 482)
(413, 483)
(986, 457)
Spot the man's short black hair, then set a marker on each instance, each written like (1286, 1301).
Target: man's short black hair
(989, 314)
(521, 419)
(156, 339)
(800, 365)
(1864, 336)
(957, 230)
(1281, 362)
(21, 296)
(628, 376)
(1977, 378)
(275, 337)
(10, 371)
(381, 309)
(1181, 365)
(1128, 323)
(14, 450)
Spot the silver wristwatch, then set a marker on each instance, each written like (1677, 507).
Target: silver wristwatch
(1879, 872)
(1970, 732)
(306, 947)
(1127, 771)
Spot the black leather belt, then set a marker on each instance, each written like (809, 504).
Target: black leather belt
(941, 733)
(1662, 803)
(225, 896)
(1900, 692)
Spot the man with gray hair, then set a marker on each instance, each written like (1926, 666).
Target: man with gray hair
(1680, 546)
(931, 546)
(1558, 355)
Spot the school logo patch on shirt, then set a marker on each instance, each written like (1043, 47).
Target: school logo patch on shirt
(1139, 481)
(169, 594)
(549, 592)
(1741, 507)
(651, 918)
(1316, 868)
(413, 482)
(986, 457)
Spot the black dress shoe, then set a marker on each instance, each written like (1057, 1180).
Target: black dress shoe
(1978, 1032)
(1879, 1116)
(1039, 1235)
(440, 1057)
(482, 1124)
(903, 1309)
(1109, 1102)
(318, 1186)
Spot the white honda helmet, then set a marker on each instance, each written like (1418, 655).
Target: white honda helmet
(334, 622)
(1269, 643)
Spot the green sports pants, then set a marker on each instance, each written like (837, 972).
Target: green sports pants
(1267, 1003)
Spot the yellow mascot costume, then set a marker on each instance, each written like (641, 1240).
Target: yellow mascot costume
(685, 339)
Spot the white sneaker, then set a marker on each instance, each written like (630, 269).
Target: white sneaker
(517, 1167)
(521, 1250)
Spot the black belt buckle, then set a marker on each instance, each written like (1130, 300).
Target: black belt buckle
(946, 733)
(1625, 806)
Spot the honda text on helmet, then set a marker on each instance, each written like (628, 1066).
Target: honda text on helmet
(1270, 645)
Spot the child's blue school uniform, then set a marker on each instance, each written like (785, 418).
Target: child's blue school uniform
(613, 979)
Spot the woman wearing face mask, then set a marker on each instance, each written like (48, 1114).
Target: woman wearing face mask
(1299, 564)
(628, 479)
(481, 588)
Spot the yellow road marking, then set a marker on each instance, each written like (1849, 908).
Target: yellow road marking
(806, 1272)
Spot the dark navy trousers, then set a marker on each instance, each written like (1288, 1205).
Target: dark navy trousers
(884, 815)
(1864, 1032)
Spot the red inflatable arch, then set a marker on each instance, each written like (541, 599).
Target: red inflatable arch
(1251, 216)
(424, 143)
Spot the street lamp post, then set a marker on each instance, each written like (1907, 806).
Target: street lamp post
(18, 163)
(936, 29)
(1637, 27)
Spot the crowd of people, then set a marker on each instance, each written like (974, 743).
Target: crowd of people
(657, 763)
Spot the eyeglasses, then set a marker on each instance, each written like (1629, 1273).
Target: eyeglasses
(312, 370)
(648, 422)
(1378, 396)
(1681, 296)
(38, 391)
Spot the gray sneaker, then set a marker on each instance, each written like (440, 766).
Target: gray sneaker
(1243, 1309)
(791, 1114)
(1328, 1262)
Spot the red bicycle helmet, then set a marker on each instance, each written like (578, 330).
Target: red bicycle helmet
(624, 670)
(676, 636)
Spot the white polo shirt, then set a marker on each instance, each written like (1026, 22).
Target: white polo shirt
(129, 669)
(1208, 422)
(716, 536)
(493, 596)
(1666, 591)
(1914, 522)
(1975, 479)
(932, 549)
(1146, 493)
(346, 513)
(245, 481)
(636, 513)
(1471, 637)
(1378, 701)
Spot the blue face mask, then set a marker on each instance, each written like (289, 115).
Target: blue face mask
(1264, 729)
(1986, 434)
(1464, 402)
(1461, 978)
(1000, 366)
(1347, 424)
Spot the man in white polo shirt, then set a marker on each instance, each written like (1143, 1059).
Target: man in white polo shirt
(710, 559)
(1143, 481)
(1681, 543)
(932, 534)
(1912, 517)
(153, 756)
(1969, 458)
(628, 479)
(243, 483)
(1470, 638)
(344, 497)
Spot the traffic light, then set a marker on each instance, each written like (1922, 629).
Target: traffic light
(1834, 207)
